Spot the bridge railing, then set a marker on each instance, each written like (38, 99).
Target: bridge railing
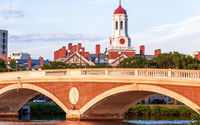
(107, 73)
(153, 73)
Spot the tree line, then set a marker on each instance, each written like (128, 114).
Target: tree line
(172, 60)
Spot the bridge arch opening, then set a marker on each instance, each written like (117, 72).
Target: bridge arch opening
(13, 97)
(118, 100)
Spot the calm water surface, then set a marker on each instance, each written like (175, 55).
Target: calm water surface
(60, 120)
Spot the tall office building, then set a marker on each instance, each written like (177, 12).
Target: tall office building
(3, 42)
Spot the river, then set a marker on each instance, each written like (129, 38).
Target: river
(60, 120)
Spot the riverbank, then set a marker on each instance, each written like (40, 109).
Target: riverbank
(140, 110)
(43, 108)
(149, 110)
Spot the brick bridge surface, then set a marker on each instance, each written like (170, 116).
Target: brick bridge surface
(102, 93)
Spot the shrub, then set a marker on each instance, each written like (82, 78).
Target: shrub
(155, 110)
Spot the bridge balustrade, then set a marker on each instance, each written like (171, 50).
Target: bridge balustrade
(121, 72)
(153, 73)
(110, 73)
(186, 74)
(55, 73)
(93, 72)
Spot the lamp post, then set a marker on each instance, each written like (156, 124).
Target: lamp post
(16, 65)
(119, 56)
(8, 66)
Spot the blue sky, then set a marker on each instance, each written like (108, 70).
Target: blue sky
(40, 27)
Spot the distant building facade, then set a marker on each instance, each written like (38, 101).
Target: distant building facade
(75, 54)
(196, 54)
(19, 55)
(3, 43)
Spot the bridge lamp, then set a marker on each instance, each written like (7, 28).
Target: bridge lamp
(119, 56)
(8, 66)
(16, 65)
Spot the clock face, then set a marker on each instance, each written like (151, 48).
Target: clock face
(122, 41)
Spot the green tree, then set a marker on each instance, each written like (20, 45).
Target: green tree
(134, 62)
(175, 60)
(101, 65)
(3, 67)
(13, 65)
(59, 65)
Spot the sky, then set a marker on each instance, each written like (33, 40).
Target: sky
(40, 27)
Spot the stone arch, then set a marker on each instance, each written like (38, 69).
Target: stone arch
(153, 89)
(35, 88)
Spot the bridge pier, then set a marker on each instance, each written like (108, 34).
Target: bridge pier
(73, 115)
(102, 117)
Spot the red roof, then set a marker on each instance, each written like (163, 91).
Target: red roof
(120, 10)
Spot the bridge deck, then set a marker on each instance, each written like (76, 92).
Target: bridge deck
(160, 76)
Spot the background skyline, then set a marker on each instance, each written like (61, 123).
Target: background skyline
(42, 27)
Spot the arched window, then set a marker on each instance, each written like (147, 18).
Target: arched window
(116, 25)
(121, 25)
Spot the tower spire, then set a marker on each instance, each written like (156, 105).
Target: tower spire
(120, 2)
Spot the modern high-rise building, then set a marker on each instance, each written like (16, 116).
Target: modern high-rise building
(3, 42)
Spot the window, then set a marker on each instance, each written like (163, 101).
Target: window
(121, 25)
(4, 35)
(116, 25)
(4, 52)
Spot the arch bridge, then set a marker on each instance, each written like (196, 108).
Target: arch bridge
(97, 93)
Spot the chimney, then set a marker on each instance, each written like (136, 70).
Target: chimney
(70, 47)
(63, 52)
(87, 55)
(142, 50)
(41, 62)
(157, 52)
(79, 47)
(29, 63)
(97, 50)
(9, 59)
(3, 57)
(83, 51)
(75, 48)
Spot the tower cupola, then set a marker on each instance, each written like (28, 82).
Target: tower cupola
(120, 10)
(120, 42)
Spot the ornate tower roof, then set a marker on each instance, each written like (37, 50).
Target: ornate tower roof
(120, 10)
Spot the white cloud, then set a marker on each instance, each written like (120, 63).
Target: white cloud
(45, 45)
(11, 11)
(53, 37)
(183, 37)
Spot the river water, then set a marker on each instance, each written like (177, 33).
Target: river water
(60, 120)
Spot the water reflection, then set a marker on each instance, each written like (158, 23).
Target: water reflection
(60, 120)
(96, 123)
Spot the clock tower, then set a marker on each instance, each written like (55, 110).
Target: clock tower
(120, 42)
